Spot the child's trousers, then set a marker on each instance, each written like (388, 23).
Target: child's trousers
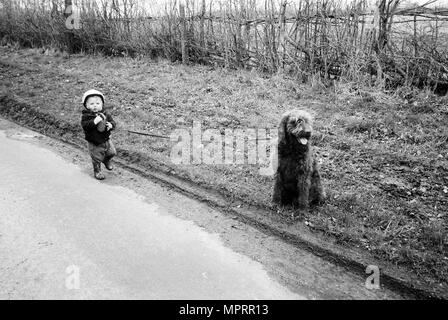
(101, 153)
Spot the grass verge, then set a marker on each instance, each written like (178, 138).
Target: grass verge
(384, 158)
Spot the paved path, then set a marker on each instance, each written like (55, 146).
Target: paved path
(64, 235)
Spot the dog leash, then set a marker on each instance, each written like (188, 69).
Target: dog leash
(149, 134)
(166, 137)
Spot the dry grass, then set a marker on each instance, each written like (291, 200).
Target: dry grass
(313, 40)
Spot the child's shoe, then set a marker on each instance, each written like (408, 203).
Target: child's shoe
(97, 172)
(99, 176)
(108, 165)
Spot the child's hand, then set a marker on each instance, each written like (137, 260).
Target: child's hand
(98, 119)
(109, 126)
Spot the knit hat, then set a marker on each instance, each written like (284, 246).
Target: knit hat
(91, 93)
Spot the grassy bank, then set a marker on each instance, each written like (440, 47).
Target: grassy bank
(384, 158)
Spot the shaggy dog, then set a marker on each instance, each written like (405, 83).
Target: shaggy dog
(297, 178)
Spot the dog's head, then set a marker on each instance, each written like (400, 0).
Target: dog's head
(296, 124)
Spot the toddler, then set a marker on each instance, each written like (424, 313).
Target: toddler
(97, 124)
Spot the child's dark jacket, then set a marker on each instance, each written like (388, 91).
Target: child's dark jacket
(90, 130)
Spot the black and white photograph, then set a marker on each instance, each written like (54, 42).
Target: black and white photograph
(234, 157)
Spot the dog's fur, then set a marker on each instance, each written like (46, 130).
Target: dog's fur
(297, 178)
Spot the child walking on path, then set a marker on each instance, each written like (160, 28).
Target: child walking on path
(97, 124)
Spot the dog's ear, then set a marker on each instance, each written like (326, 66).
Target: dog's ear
(282, 126)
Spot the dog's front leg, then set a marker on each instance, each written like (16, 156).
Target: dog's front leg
(303, 192)
(277, 194)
